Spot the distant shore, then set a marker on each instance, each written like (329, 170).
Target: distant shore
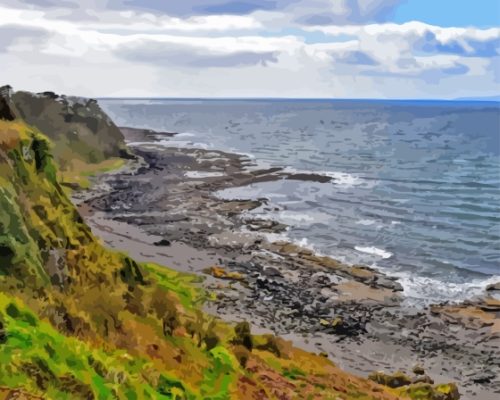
(162, 208)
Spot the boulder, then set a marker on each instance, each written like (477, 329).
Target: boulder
(395, 380)
(493, 287)
(221, 273)
(423, 379)
(448, 391)
(418, 370)
(162, 242)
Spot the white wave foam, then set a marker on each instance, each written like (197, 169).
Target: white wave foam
(186, 144)
(342, 179)
(203, 174)
(374, 250)
(185, 134)
(365, 222)
(421, 290)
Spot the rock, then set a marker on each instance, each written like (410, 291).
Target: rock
(483, 377)
(418, 370)
(221, 273)
(162, 242)
(448, 391)
(389, 284)
(493, 286)
(396, 380)
(423, 379)
(490, 305)
(271, 271)
(342, 326)
(320, 279)
(324, 322)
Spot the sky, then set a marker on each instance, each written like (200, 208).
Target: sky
(398, 49)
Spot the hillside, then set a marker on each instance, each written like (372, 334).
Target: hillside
(77, 127)
(79, 321)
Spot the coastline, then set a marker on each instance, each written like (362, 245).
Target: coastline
(279, 286)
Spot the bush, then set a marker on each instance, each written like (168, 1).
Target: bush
(165, 309)
(243, 335)
(269, 343)
(211, 339)
(242, 355)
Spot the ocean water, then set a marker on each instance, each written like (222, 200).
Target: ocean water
(415, 189)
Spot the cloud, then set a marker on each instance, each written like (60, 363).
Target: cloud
(342, 12)
(15, 37)
(421, 38)
(309, 12)
(183, 8)
(171, 54)
(356, 57)
(133, 48)
(414, 49)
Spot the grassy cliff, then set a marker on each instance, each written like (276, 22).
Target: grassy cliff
(79, 321)
(78, 128)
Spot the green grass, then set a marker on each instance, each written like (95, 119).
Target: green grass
(41, 360)
(218, 379)
(184, 285)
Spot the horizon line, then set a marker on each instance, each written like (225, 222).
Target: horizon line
(487, 99)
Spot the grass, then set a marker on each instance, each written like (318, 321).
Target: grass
(41, 360)
(78, 172)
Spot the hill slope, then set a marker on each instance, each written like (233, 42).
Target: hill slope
(78, 321)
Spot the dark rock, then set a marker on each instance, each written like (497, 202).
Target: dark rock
(483, 377)
(3, 333)
(162, 242)
(418, 370)
(346, 326)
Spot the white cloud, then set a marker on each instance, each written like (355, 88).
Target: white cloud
(334, 10)
(264, 53)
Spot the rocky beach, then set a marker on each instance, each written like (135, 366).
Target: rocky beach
(163, 207)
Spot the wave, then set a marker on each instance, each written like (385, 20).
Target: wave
(374, 250)
(420, 290)
(172, 143)
(183, 134)
(366, 222)
(342, 179)
(203, 174)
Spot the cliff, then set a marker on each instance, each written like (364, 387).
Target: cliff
(78, 127)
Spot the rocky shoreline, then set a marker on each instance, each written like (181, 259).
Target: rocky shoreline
(162, 208)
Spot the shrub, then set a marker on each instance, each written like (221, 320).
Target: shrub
(242, 355)
(243, 335)
(165, 309)
(210, 338)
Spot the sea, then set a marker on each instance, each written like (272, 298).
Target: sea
(415, 189)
